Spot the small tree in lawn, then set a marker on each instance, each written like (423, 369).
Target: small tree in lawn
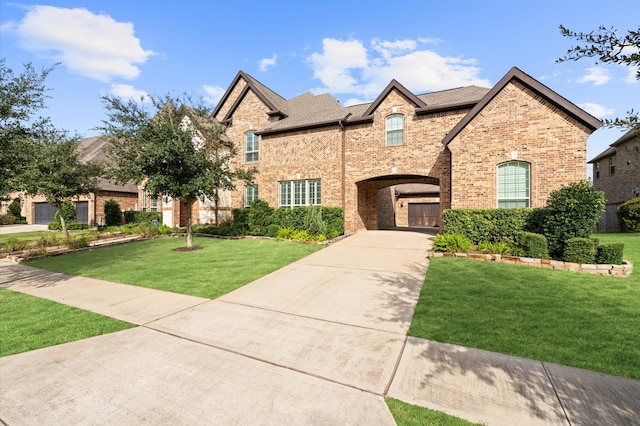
(57, 173)
(180, 153)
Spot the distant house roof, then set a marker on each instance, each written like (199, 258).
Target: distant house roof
(612, 149)
(516, 74)
(92, 150)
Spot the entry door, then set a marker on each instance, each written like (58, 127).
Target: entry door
(424, 214)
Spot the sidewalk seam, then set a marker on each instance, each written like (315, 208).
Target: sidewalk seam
(395, 368)
(553, 386)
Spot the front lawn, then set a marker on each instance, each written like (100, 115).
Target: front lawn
(568, 318)
(413, 415)
(28, 322)
(222, 266)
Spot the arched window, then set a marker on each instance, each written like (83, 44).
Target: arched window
(514, 185)
(395, 129)
(250, 147)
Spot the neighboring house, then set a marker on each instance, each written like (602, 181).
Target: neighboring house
(473, 147)
(616, 172)
(90, 208)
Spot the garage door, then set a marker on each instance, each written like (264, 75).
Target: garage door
(424, 214)
(45, 213)
(82, 212)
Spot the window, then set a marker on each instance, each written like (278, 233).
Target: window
(513, 185)
(250, 147)
(612, 165)
(395, 129)
(596, 168)
(153, 204)
(293, 193)
(250, 194)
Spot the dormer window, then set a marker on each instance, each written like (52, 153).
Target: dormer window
(250, 147)
(395, 129)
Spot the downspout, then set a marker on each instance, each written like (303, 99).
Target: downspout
(344, 168)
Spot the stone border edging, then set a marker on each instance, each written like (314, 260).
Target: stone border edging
(620, 271)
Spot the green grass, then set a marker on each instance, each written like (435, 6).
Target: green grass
(28, 322)
(567, 318)
(35, 235)
(222, 266)
(412, 415)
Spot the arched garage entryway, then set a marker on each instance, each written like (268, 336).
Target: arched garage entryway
(376, 205)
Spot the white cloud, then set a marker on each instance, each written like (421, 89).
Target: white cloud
(129, 92)
(349, 67)
(267, 63)
(212, 93)
(597, 110)
(632, 76)
(91, 45)
(597, 76)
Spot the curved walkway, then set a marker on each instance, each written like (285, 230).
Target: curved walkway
(320, 341)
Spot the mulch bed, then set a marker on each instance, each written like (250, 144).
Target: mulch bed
(187, 248)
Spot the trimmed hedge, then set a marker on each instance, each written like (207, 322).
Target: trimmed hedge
(71, 226)
(580, 250)
(610, 253)
(490, 225)
(133, 216)
(533, 245)
(629, 215)
(112, 213)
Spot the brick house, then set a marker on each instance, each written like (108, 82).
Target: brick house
(616, 172)
(404, 158)
(89, 208)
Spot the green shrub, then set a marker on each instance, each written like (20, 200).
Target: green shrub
(494, 248)
(21, 221)
(14, 244)
(68, 212)
(240, 222)
(534, 245)
(451, 243)
(610, 253)
(272, 230)
(15, 208)
(571, 212)
(133, 216)
(112, 213)
(580, 250)
(147, 230)
(77, 242)
(629, 215)
(489, 225)
(301, 235)
(259, 217)
(7, 219)
(313, 222)
(71, 226)
(333, 217)
(285, 233)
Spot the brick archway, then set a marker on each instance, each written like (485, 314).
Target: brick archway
(367, 196)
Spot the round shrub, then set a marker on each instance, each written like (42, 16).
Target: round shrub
(112, 213)
(629, 215)
(533, 245)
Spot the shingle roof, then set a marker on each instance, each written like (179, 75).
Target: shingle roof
(612, 149)
(308, 109)
(92, 149)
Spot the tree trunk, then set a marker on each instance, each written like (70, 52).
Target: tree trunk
(216, 211)
(62, 222)
(188, 204)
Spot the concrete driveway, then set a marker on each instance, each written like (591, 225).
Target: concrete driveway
(318, 342)
(15, 229)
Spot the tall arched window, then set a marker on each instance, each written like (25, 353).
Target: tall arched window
(395, 129)
(250, 147)
(514, 184)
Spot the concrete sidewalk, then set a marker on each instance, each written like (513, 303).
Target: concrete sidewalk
(320, 341)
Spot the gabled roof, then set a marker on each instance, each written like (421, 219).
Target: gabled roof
(394, 85)
(612, 149)
(93, 150)
(203, 123)
(515, 74)
(277, 104)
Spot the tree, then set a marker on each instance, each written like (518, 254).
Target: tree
(608, 47)
(180, 153)
(21, 97)
(56, 172)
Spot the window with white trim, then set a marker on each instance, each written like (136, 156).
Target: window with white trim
(250, 194)
(294, 193)
(395, 129)
(250, 147)
(513, 185)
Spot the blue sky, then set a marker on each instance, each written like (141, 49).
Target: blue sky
(350, 49)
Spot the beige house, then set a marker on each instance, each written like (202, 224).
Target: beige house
(404, 158)
(616, 172)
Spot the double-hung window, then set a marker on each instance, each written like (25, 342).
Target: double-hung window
(612, 165)
(250, 194)
(250, 147)
(513, 184)
(294, 193)
(395, 129)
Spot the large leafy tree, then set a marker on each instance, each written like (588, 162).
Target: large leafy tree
(178, 152)
(57, 172)
(21, 97)
(607, 46)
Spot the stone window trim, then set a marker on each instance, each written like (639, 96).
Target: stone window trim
(250, 194)
(513, 184)
(295, 193)
(251, 147)
(394, 130)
